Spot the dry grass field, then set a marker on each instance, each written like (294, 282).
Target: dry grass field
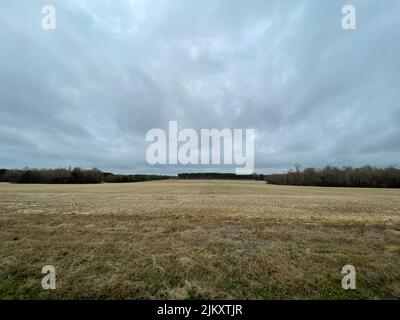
(198, 239)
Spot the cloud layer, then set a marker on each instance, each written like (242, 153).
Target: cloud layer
(86, 93)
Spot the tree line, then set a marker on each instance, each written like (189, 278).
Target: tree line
(216, 175)
(330, 176)
(70, 176)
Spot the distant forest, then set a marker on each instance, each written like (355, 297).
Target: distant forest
(363, 177)
(65, 176)
(330, 176)
(215, 175)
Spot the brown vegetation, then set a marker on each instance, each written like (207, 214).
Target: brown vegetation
(363, 177)
(198, 239)
(70, 176)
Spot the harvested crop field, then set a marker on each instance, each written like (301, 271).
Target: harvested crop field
(180, 239)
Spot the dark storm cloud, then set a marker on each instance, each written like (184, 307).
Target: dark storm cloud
(87, 93)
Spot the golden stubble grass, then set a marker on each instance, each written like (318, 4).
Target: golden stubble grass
(181, 239)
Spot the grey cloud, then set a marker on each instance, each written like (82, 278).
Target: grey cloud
(87, 93)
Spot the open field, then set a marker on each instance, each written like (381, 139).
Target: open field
(198, 239)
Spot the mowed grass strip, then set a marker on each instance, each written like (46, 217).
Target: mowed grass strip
(198, 240)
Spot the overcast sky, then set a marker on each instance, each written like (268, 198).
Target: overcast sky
(86, 93)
